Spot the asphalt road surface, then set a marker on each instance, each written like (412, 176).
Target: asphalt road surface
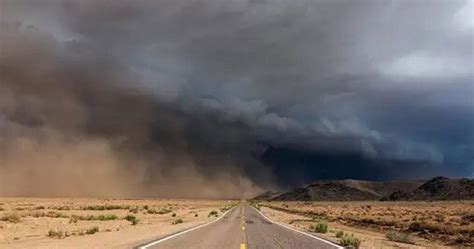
(241, 228)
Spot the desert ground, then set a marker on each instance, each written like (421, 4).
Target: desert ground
(382, 224)
(98, 223)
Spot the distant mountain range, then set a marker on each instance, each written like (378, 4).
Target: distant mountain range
(439, 188)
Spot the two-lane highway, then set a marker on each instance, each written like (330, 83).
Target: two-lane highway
(241, 228)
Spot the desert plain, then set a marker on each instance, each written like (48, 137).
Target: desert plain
(98, 223)
(127, 223)
(376, 224)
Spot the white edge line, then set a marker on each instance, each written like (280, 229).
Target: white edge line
(183, 232)
(298, 231)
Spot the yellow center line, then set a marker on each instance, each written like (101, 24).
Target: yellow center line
(243, 244)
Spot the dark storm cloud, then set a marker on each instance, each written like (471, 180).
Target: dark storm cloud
(251, 88)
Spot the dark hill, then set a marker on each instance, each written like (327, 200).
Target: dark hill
(439, 188)
(347, 190)
(266, 196)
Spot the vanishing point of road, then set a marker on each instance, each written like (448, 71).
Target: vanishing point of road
(242, 227)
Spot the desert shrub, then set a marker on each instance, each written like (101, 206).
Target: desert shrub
(160, 211)
(339, 234)
(468, 217)
(102, 217)
(196, 215)
(37, 214)
(399, 237)
(132, 218)
(92, 230)
(57, 234)
(61, 208)
(74, 219)
(133, 209)
(177, 221)
(255, 205)
(107, 217)
(349, 240)
(53, 214)
(321, 227)
(105, 207)
(228, 206)
(146, 207)
(173, 215)
(213, 213)
(417, 226)
(11, 217)
(164, 211)
(39, 207)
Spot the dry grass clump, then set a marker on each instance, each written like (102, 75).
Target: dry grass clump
(399, 237)
(56, 234)
(102, 217)
(349, 240)
(105, 207)
(177, 221)
(92, 230)
(49, 214)
(159, 211)
(11, 217)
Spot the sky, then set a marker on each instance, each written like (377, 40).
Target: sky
(215, 99)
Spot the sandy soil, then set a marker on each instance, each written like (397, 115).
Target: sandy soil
(26, 222)
(370, 221)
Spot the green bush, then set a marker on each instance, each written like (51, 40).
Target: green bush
(321, 227)
(213, 213)
(92, 230)
(399, 237)
(349, 240)
(132, 218)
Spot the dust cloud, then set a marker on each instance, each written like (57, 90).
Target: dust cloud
(70, 127)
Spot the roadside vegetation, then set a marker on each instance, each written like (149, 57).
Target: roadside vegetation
(444, 222)
(321, 227)
(228, 206)
(213, 213)
(133, 219)
(349, 240)
(399, 237)
(56, 234)
(177, 221)
(255, 204)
